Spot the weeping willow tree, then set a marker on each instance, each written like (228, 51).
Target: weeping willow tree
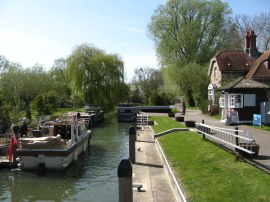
(96, 76)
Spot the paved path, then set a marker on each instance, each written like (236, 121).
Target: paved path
(149, 171)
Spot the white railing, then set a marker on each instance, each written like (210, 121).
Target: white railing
(237, 139)
(142, 120)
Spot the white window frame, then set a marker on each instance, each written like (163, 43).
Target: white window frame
(211, 94)
(222, 101)
(235, 100)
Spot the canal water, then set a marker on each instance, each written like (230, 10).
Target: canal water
(92, 178)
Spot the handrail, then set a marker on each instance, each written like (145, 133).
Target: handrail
(230, 139)
(214, 127)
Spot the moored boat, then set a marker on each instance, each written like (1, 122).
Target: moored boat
(55, 146)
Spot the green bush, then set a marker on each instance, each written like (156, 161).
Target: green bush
(5, 121)
(204, 106)
(45, 103)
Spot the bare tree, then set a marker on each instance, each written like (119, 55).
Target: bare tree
(260, 23)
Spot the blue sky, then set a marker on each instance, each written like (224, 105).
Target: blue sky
(40, 31)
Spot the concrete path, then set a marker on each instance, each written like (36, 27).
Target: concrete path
(149, 171)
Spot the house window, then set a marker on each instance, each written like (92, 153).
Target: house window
(235, 101)
(249, 100)
(210, 94)
(222, 100)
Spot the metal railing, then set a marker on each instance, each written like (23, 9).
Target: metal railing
(238, 139)
(142, 120)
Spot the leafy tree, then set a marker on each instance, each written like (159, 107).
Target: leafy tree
(5, 121)
(192, 81)
(4, 63)
(135, 95)
(189, 30)
(96, 76)
(147, 82)
(61, 82)
(45, 103)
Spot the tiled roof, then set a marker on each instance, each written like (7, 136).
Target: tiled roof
(243, 82)
(234, 60)
(259, 68)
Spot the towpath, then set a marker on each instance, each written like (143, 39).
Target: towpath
(149, 171)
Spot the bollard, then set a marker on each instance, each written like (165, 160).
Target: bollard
(132, 140)
(203, 129)
(236, 138)
(125, 181)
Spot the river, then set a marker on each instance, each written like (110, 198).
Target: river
(92, 178)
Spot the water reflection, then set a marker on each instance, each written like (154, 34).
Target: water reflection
(92, 178)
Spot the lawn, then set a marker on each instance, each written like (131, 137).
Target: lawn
(165, 123)
(209, 173)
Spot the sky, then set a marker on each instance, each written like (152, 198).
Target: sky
(40, 31)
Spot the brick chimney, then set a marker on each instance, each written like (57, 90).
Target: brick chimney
(247, 43)
(250, 44)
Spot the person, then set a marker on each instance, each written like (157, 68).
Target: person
(24, 127)
(183, 107)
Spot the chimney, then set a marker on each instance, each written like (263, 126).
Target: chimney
(247, 43)
(252, 37)
(250, 44)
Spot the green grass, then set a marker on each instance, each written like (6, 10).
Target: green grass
(165, 123)
(216, 117)
(209, 173)
(65, 110)
(192, 108)
(3, 140)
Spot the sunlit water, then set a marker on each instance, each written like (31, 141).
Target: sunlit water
(92, 178)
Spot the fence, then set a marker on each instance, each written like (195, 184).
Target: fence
(238, 139)
(142, 120)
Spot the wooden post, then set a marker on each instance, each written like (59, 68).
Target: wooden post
(203, 129)
(132, 140)
(236, 138)
(125, 181)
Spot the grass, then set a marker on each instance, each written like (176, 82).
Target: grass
(216, 117)
(165, 123)
(207, 172)
(66, 110)
(3, 140)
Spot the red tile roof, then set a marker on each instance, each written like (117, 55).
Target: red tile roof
(234, 60)
(260, 67)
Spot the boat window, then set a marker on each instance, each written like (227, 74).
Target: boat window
(68, 132)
